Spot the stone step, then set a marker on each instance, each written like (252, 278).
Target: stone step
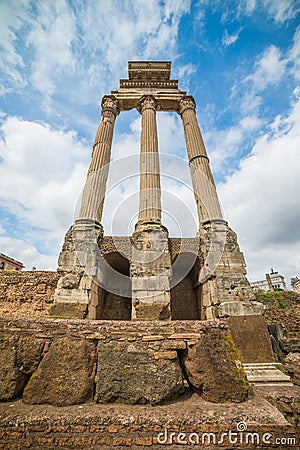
(270, 374)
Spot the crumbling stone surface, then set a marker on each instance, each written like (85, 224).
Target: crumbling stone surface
(282, 307)
(138, 362)
(223, 273)
(115, 426)
(68, 263)
(29, 353)
(251, 337)
(19, 357)
(12, 381)
(128, 373)
(292, 364)
(150, 272)
(69, 310)
(65, 376)
(286, 399)
(213, 369)
(26, 294)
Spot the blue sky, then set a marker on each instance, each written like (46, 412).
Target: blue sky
(240, 59)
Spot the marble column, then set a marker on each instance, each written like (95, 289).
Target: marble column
(150, 201)
(208, 206)
(225, 288)
(78, 292)
(95, 186)
(150, 268)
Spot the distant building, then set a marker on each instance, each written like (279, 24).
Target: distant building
(272, 281)
(7, 263)
(295, 284)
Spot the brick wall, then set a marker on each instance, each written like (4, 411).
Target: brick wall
(26, 294)
(119, 429)
(282, 307)
(30, 294)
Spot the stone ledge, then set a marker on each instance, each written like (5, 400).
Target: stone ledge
(267, 374)
(109, 328)
(93, 426)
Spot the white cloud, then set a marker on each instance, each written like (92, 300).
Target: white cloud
(269, 69)
(27, 253)
(249, 5)
(184, 74)
(11, 62)
(249, 102)
(138, 30)
(223, 145)
(75, 49)
(250, 123)
(294, 55)
(262, 202)
(51, 36)
(279, 10)
(42, 171)
(229, 39)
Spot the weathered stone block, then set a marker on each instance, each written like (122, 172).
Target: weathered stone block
(19, 357)
(70, 281)
(29, 353)
(213, 369)
(12, 381)
(239, 308)
(292, 364)
(172, 354)
(252, 339)
(147, 311)
(69, 310)
(128, 374)
(65, 376)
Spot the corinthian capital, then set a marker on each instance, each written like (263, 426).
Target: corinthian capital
(146, 102)
(110, 103)
(186, 103)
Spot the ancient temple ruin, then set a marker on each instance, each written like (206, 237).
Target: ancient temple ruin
(150, 276)
(172, 317)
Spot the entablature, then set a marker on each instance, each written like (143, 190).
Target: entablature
(168, 102)
(149, 78)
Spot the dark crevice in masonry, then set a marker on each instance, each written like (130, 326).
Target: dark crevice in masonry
(184, 372)
(22, 385)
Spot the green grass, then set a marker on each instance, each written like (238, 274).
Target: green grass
(278, 298)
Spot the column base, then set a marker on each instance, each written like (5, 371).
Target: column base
(225, 288)
(150, 272)
(78, 268)
(151, 307)
(149, 225)
(215, 221)
(240, 308)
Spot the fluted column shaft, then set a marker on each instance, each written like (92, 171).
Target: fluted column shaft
(95, 186)
(150, 195)
(208, 206)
